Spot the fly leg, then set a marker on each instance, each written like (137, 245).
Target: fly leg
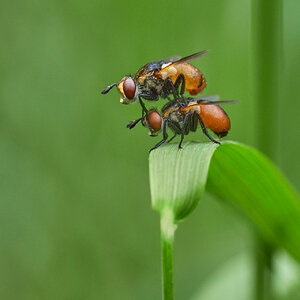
(144, 109)
(205, 130)
(185, 128)
(150, 96)
(172, 138)
(169, 86)
(165, 137)
(181, 80)
(133, 123)
(144, 112)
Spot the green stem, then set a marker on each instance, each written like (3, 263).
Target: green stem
(264, 254)
(267, 64)
(168, 228)
(267, 67)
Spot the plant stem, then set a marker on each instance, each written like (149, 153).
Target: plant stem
(267, 67)
(267, 62)
(168, 228)
(264, 254)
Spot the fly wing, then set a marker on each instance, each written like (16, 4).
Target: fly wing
(171, 59)
(190, 57)
(211, 98)
(182, 60)
(217, 102)
(194, 102)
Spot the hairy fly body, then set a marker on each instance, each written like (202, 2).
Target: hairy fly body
(183, 119)
(161, 78)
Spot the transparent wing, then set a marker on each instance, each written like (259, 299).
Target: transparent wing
(217, 102)
(183, 60)
(208, 98)
(190, 57)
(172, 59)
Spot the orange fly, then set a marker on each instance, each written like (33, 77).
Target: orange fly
(183, 119)
(161, 79)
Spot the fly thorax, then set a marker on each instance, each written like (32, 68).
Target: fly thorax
(174, 117)
(155, 84)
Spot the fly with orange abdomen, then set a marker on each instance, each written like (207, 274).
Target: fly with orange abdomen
(161, 78)
(183, 119)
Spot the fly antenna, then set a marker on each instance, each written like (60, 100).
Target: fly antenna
(107, 89)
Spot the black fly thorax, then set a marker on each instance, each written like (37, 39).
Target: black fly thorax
(148, 83)
(173, 115)
(152, 84)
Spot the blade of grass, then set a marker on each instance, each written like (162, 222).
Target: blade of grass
(176, 187)
(170, 183)
(235, 173)
(267, 59)
(247, 179)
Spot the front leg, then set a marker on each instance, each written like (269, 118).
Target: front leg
(144, 112)
(165, 136)
(133, 123)
(144, 109)
(152, 95)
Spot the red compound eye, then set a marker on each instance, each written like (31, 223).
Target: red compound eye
(129, 88)
(154, 119)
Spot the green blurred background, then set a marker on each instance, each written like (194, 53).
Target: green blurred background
(75, 211)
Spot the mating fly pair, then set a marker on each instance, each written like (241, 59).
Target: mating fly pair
(167, 77)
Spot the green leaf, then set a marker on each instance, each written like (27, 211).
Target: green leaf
(235, 173)
(178, 177)
(250, 181)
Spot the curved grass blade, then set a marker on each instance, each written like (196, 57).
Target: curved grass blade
(178, 177)
(250, 181)
(235, 173)
(176, 187)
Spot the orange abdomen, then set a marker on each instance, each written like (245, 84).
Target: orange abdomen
(215, 118)
(194, 80)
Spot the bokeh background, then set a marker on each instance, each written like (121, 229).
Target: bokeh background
(75, 210)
